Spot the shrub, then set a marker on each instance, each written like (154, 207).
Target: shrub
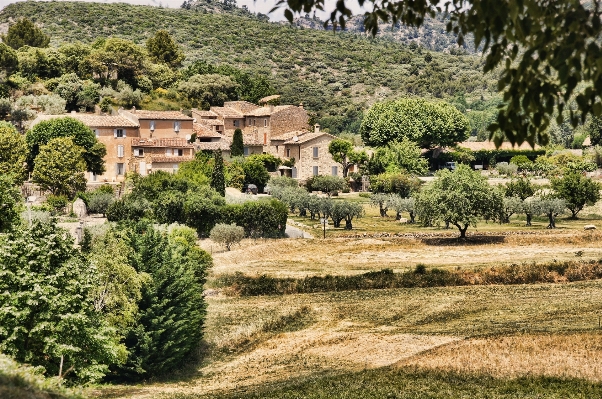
(129, 207)
(326, 184)
(202, 209)
(99, 203)
(227, 234)
(522, 162)
(57, 203)
(265, 219)
(395, 183)
(506, 169)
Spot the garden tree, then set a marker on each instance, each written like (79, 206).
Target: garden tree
(40, 63)
(551, 207)
(338, 212)
(207, 90)
(577, 190)
(398, 157)
(118, 284)
(25, 33)
(169, 322)
(342, 152)
(82, 135)
(237, 148)
(531, 206)
(395, 183)
(50, 104)
(152, 185)
(399, 205)
(227, 234)
(169, 207)
(60, 167)
(218, 180)
(13, 153)
(520, 187)
(68, 87)
(352, 210)
(130, 207)
(9, 62)
(163, 49)
(115, 59)
(463, 155)
(530, 41)
(73, 56)
(428, 124)
(100, 202)
(510, 206)
(381, 201)
(259, 219)
(197, 171)
(202, 209)
(48, 316)
(270, 162)
(522, 161)
(459, 198)
(10, 203)
(255, 172)
(327, 184)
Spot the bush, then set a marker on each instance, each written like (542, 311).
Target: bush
(202, 210)
(227, 234)
(265, 219)
(99, 203)
(326, 184)
(522, 162)
(129, 207)
(506, 169)
(58, 203)
(395, 183)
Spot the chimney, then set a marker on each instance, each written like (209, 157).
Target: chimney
(271, 108)
(133, 109)
(316, 128)
(301, 105)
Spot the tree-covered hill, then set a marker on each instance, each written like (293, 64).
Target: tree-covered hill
(336, 75)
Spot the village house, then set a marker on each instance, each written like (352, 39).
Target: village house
(280, 130)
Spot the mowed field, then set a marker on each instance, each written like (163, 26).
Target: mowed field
(488, 341)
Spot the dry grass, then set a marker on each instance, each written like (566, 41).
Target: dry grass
(564, 356)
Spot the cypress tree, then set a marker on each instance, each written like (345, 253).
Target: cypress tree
(237, 148)
(218, 180)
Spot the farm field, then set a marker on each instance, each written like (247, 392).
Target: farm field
(487, 341)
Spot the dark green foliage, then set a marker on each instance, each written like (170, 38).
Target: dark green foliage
(10, 198)
(162, 48)
(395, 183)
(130, 207)
(326, 184)
(218, 179)
(202, 210)
(595, 130)
(521, 188)
(100, 202)
(8, 60)
(265, 219)
(169, 207)
(577, 190)
(270, 162)
(82, 136)
(237, 148)
(48, 312)
(171, 311)
(25, 33)
(255, 172)
(151, 186)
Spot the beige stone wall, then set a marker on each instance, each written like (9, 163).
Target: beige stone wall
(106, 136)
(164, 129)
(229, 126)
(288, 120)
(305, 161)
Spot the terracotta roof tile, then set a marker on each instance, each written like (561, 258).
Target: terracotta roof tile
(269, 98)
(92, 120)
(267, 111)
(220, 145)
(168, 142)
(144, 114)
(290, 135)
(211, 122)
(489, 145)
(203, 131)
(203, 114)
(307, 137)
(226, 112)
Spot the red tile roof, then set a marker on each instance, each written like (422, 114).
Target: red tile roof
(171, 142)
(175, 115)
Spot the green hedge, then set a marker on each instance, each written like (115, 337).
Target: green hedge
(266, 219)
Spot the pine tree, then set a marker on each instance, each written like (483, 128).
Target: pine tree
(218, 180)
(237, 148)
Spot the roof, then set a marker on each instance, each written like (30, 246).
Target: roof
(490, 145)
(290, 135)
(307, 137)
(267, 111)
(220, 145)
(226, 112)
(211, 122)
(91, 120)
(175, 115)
(170, 142)
(202, 131)
(163, 158)
(203, 114)
(269, 98)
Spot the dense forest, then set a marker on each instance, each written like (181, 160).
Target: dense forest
(337, 76)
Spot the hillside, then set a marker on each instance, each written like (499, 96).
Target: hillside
(335, 75)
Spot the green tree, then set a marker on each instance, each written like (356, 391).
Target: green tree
(577, 190)
(551, 207)
(60, 167)
(459, 198)
(255, 172)
(227, 234)
(40, 63)
(10, 203)
(327, 184)
(25, 33)
(116, 59)
(521, 187)
(237, 148)
(48, 316)
(13, 153)
(398, 157)
(207, 90)
(427, 123)
(163, 49)
(342, 151)
(82, 136)
(202, 209)
(218, 179)
(73, 55)
(395, 183)
(9, 61)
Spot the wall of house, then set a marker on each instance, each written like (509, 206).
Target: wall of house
(305, 161)
(106, 136)
(229, 126)
(164, 128)
(290, 119)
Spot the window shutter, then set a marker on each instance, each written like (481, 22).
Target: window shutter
(168, 151)
(294, 173)
(316, 171)
(115, 133)
(335, 170)
(315, 152)
(124, 133)
(136, 152)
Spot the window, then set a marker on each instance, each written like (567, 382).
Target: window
(92, 176)
(139, 152)
(254, 120)
(315, 152)
(288, 152)
(176, 126)
(235, 123)
(120, 151)
(119, 133)
(178, 152)
(265, 123)
(152, 125)
(168, 152)
(119, 169)
(246, 151)
(335, 170)
(294, 173)
(96, 132)
(316, 171)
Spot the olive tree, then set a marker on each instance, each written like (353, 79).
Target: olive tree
(227, 234)
(551, 207)
(577, 190)
(381, 201)
(459, 198)
(399, 205)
